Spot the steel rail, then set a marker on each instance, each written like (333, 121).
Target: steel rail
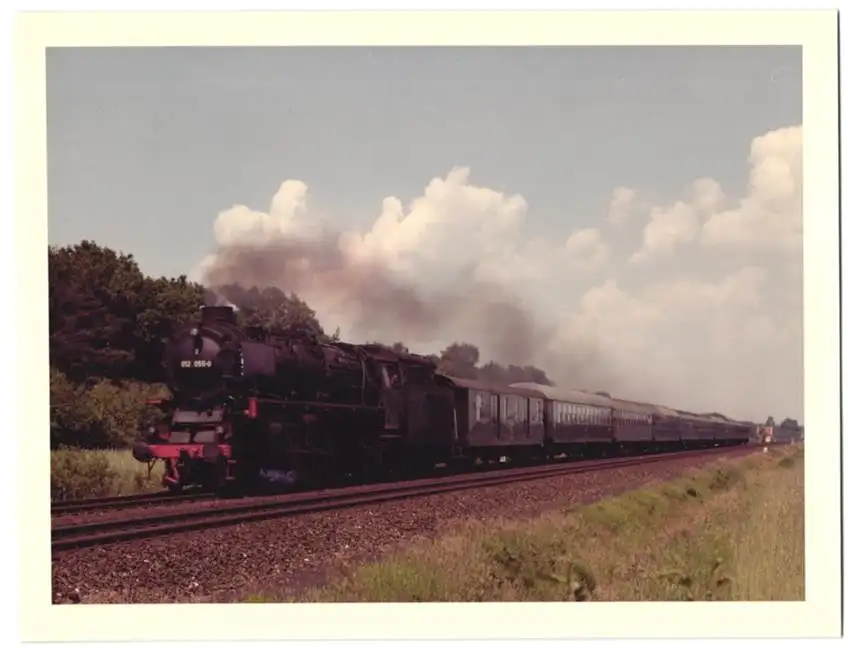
(105, 532)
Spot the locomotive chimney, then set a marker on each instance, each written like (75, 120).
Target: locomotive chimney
(211, 313)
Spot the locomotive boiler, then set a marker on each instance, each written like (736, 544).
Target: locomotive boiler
(216, 356)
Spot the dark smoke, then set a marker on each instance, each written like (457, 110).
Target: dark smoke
(381, 305)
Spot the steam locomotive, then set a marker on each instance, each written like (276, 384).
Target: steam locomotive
(251, 408)
(250, 405)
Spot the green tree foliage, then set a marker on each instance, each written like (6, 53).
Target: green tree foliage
(93, 300)
(108, 414)
(107, 319)
(273, 309)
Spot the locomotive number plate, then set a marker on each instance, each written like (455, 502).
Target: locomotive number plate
(195, 363)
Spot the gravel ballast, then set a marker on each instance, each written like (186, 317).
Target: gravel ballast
(287, 554)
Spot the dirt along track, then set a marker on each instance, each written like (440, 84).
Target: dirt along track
(282, 555)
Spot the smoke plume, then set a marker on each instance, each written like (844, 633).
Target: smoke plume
(379, 304)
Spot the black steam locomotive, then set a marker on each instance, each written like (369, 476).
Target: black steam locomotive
(251, 409)
(250, 406)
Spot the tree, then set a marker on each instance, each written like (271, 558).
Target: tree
(460, 360)
(93, 295)
(108, 319)
(273, 309)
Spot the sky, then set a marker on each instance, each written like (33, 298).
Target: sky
(628, 219)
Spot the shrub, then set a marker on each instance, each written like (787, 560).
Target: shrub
(81, 474)
(109, 414)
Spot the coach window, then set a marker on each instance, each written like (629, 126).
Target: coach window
(479, 406)
(485, 405)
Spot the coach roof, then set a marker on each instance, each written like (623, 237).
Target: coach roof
(477, 385)
(572, 396)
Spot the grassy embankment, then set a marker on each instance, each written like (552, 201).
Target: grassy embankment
(81, 474)
(731, 531)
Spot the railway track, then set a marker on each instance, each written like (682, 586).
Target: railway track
(74, 536)
(125, 501)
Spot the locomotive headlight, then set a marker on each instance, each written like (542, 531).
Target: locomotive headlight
(219, 430)
(193, 332)
(151, 430)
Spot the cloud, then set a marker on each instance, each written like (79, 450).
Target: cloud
(621, 205)
(667, 230)
(585, 249)
(769, 217)
(709, 321)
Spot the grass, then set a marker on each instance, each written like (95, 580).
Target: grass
(732, 531)
(81, 474)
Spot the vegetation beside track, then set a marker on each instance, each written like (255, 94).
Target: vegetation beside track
(730, 531)
(83, 474)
